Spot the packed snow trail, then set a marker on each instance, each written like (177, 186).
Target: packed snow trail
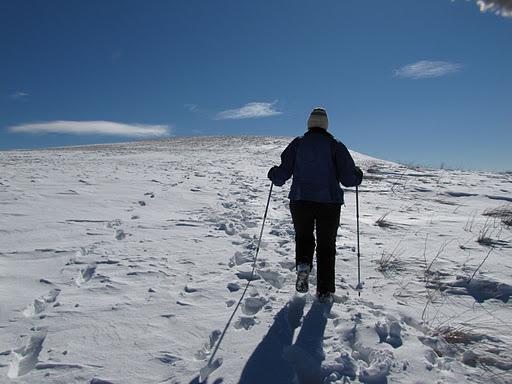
(214, 364)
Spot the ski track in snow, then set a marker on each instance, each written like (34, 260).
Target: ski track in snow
(124, 262)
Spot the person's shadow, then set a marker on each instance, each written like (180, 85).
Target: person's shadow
(276, 360)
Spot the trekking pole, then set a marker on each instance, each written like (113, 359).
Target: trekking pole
(359, 286)
(213, 365)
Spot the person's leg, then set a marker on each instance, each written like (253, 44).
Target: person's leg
(327, 221)
(303, 223)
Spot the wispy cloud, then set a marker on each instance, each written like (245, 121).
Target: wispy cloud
(93, 128)
(249, 111)
(500, 7)
(18, 95)
(427, 69)
(192, 107)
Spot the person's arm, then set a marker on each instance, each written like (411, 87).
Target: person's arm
(348, 174)
(279, 174)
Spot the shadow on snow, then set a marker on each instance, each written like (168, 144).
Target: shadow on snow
(276, 360)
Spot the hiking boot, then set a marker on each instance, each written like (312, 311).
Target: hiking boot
(325, 297)
(302, 284)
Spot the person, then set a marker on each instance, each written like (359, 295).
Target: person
(318, 163)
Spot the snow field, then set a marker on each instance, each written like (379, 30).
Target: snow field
(121, 263)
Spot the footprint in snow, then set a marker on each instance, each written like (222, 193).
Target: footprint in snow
(274, 278)
(113, 224)
(239, 259)
(389, 334)
(287, 264)
(204, 352)
(245, 322)
(253, 305)
(189, 289)
(86, 274)
(380, 363)
(230, 303)
(229, 228)
(247, 275)
(26, 357)
(167, 358)
(233, 287)
(41, 303)
(120, 234)
(278, 232)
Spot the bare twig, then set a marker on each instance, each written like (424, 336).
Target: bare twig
(441, 249)
(470, 222)
(480, 265)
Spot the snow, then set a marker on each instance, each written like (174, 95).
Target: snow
(122, 263)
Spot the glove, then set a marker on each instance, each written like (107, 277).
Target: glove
(271, 176)
(359, 175)
(271, 171)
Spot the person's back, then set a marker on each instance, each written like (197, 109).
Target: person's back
(314, 172)
(318, 163)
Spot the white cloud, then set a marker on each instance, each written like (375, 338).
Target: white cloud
(93, 128)
(249, 111)
(501, 7)
(192, 107)
(427, 69)
(18, 95)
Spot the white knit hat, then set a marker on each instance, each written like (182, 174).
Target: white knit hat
(318, 119)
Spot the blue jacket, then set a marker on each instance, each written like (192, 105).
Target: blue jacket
(318, 163)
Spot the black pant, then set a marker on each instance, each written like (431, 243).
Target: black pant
(326, 216)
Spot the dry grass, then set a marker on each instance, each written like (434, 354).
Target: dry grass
(461, 335)
(389, 261)
(490, 234)
(504, 213)
(432, 294)
(383, 223)
(470, 222)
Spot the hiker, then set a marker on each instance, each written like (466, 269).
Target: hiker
(318, 163)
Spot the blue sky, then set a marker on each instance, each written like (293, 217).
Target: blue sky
(423, 82)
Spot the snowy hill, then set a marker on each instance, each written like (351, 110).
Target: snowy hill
(122, 264)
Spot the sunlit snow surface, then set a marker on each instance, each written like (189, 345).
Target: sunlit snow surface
(122, 263)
